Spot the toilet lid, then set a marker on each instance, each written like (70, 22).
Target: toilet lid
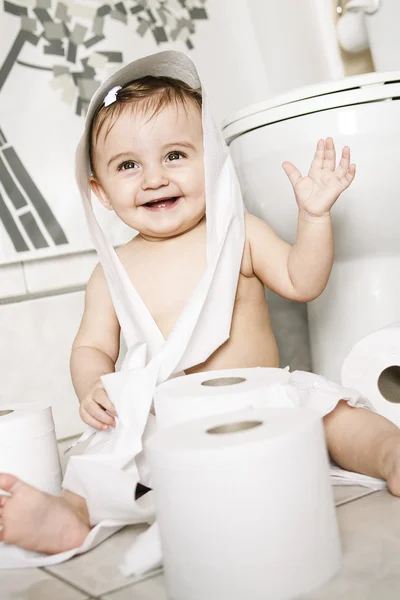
(359, 89)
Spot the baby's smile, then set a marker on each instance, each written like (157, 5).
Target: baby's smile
(162, 204)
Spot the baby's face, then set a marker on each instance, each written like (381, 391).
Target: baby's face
(150, 170)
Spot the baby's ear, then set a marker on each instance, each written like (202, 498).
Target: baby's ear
(99, 192)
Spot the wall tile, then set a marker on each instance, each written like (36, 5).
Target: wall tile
(36, 340)
(59, 272)
(12, 281)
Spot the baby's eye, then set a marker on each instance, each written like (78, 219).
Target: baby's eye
(128, 164)
(175, 156)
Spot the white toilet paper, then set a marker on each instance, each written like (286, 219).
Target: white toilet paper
(211, 393)
(373, 368)
(28, 446)
(352, 31)
(244, 505)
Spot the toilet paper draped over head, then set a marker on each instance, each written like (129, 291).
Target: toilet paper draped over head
(204, 324)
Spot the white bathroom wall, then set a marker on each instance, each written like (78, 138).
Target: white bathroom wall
(297, 41)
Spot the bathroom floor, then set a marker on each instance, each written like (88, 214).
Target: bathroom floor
(370, 530)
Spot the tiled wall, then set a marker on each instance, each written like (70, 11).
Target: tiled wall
(41, 304)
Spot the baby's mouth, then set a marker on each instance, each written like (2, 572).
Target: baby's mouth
(163, 203)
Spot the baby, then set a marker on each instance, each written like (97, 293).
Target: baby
(146, 153)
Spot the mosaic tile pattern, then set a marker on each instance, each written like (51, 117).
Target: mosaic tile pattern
(70, 30)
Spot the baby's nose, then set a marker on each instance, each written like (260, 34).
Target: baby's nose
(154, 177)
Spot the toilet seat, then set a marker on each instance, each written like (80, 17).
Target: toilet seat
(360, 89)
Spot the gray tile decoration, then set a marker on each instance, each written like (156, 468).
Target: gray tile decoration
(61, 11)
(67, 32)
(115, 57)
(143, 27)
(121, 8)
(12, 191)
(43, 15)
(55, 48)
(94, 40)
(98, 25)
(53, 31)
(159, 34)
(104, 10)
(162, 15)
(119, 16)
(31, 227)
(42, 208)
(28, 24)
(78, 34)
(43, 3)
(15, 9)
(72, 52)
(10, 226)
(198, 13)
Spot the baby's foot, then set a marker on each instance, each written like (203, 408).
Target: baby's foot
(38, 521)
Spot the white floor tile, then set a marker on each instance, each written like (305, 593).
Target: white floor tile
(97, 572)
(347, 493)
(151, 589)
(370, 532)
(35, 584)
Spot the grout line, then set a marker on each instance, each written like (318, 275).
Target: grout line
(45, 294)
(88, 596)
(141, 579)
(349, 500)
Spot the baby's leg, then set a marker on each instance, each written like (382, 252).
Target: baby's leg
(365, 442)
(38, 521)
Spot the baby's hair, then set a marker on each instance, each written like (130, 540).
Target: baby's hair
(146, 93)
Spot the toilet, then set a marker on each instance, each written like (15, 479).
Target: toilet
(363, 293)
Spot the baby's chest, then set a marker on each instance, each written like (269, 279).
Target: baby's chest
(165, 284)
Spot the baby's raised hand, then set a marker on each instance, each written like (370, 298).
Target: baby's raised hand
(96, 409)
(318, 191)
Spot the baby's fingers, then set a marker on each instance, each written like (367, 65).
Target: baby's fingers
(91, 421)
(99, 413)
(344, 164)
(100, 396)
(292, 172)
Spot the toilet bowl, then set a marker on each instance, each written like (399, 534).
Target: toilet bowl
(363, 112)
(381, 19)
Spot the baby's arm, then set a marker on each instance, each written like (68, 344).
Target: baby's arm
(301, 272)
(94, 353)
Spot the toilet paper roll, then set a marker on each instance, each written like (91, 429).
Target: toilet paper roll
(244, 505)
(352, 31)
(373, 368)
(203, 394)
(28, 445)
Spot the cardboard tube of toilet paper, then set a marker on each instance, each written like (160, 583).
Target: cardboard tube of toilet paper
(373, 368)
(203, 394)
(244, 505)
(28, 445)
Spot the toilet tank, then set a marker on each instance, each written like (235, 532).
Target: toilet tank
(383, 35)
